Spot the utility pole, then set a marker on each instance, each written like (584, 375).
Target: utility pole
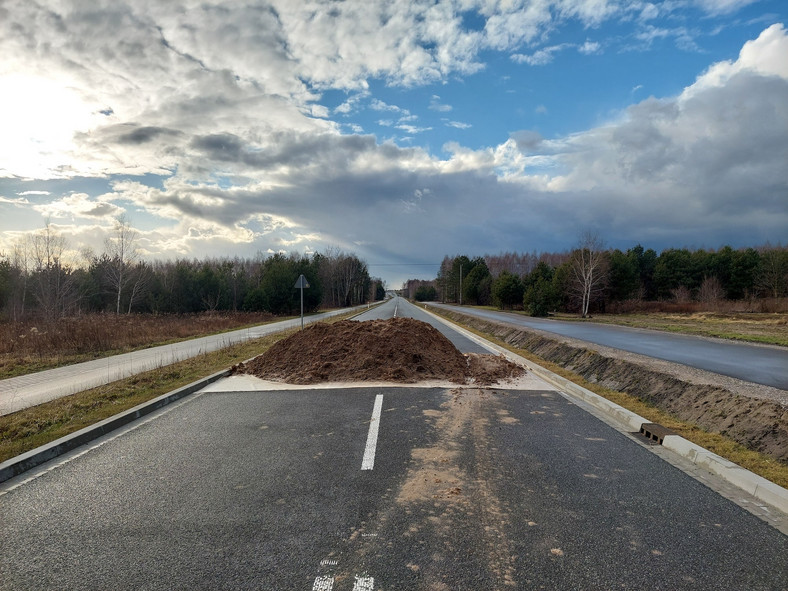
(460, 284)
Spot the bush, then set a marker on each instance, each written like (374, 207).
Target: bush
(425, 293)
(540, 298)
(507, 290)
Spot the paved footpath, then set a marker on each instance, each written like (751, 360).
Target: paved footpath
(43, 386)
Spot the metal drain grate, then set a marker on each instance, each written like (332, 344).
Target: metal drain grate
(655, 432)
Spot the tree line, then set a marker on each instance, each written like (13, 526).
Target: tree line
(36, 281)
(593, 278)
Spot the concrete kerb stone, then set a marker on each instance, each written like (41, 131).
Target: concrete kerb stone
(762, 489)
(38, 456)
(757, 486)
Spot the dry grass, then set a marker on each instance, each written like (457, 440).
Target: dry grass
(752, 327)
(748, 306)
(755, 321)
(30, 428)
(27, 347)
(753, 461)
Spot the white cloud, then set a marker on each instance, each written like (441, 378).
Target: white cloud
(19, 201)
(541, 57)
(379, 105)
(78, 205)
(458, 124)
(589, 48)
(352, 104)
(436, 105)
(722, 6)
(765, 55)
(412, 129)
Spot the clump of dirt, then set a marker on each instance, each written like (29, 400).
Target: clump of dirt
(397, 350)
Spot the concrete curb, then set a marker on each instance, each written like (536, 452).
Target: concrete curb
(762, 489)
(35, 457)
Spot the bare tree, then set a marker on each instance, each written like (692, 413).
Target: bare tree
(53, 279)
(681, 294)
(589, 269)
(772, 279)
(21, 266)
(711, 291)
(140, 281)
(122, 253)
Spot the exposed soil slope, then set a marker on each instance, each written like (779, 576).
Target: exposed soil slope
(396, 350)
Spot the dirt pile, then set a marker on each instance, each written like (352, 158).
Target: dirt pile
(396, 350)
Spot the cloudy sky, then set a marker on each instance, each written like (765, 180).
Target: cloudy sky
(401, 130)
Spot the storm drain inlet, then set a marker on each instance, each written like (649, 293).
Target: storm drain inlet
(654, 432)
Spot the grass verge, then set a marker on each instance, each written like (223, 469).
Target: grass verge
(154, 332)
(756, 327)
(753, 461)
(30, 428)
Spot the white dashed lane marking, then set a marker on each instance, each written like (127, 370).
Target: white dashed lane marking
(323, 584)
(372, 437)
(364, 584)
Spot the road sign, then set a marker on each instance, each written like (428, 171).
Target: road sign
(302, 284)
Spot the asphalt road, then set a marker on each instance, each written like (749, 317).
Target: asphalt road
(36, 388)
(402, 308)
(760, 364)
(473, 490)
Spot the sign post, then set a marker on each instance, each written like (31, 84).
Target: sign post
(301, 284)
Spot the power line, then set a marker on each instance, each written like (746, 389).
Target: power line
(403, 264)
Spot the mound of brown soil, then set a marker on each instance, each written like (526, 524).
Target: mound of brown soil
(396, 350)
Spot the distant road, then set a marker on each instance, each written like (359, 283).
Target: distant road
(402, 308)
(761, 364)
(43, 386)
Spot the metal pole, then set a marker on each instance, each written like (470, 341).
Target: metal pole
(302, 306)
(460, 285)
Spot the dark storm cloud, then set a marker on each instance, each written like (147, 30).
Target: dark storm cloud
(143, 135)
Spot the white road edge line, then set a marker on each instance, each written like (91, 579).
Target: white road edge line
(372, 437)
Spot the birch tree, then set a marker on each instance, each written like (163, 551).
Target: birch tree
(121, 250)
(53, 282)
(589, 269)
